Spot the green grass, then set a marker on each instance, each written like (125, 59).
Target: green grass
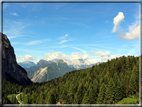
(130, 100)
(10, 96)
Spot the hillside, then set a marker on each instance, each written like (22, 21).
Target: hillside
(107, 82)
(10, 88)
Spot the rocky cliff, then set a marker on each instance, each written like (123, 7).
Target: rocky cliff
(11, 71)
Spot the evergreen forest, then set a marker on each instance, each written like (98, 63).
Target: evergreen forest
(107, 83)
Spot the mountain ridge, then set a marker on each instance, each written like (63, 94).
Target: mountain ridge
(50, 70)
(26, 64)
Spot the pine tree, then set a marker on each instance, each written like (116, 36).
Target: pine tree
(92, 94)
(52, 99)
(134, 81)
(118, 91)
(71, 92)
(101, 95)
(86, 98)
(110, 92)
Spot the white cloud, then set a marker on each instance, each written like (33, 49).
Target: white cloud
(55, 55)
(117, 20)
(78, 55)
(60, 55)
(16, 29)
(106, 58)
(102, 54)
(63, 41)
(11, 37)
(27, 57)
(14, 14)
(134, 33)
(63, 37)
(66, 35)
(36, 42)
(79, 49)
(115, 56)
(107, 53)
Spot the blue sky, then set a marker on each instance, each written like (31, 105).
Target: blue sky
(92, 31)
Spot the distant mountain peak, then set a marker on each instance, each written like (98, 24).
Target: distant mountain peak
(26, 64)
(59, 60)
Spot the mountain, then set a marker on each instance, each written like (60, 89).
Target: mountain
(47, 70)
(78, 64)
(26, 64)
(42, 63)
(11, 71)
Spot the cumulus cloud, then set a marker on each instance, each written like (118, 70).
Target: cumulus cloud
(55, 55)
(60, 55)
(116, 21)
(14, 14)
(134, 33)
(78, 55)
(27, 57)
(102, 54)
(106, 58)
(115, 56)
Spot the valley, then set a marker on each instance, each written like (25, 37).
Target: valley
(94, 85)
(113, 82)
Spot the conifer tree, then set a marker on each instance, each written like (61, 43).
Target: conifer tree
(92, 94)
(101, 95)
(86, 99)
(118, 91)
(79, 94)
(134, 81)
(71, 92)
(110, 92)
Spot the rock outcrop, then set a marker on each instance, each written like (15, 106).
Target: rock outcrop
(11, 71)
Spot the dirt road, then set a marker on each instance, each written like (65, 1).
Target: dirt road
(17, 98)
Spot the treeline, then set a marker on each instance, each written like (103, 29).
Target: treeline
(10, 88)
(105, 83)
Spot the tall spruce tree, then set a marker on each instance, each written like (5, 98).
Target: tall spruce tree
(110, 92)
(86, 99)
(134, 81)
(101, 95)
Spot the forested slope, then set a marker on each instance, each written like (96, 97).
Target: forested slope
(105, 83)
(9, 88)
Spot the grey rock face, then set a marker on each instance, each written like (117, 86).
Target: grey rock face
(10, 69)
